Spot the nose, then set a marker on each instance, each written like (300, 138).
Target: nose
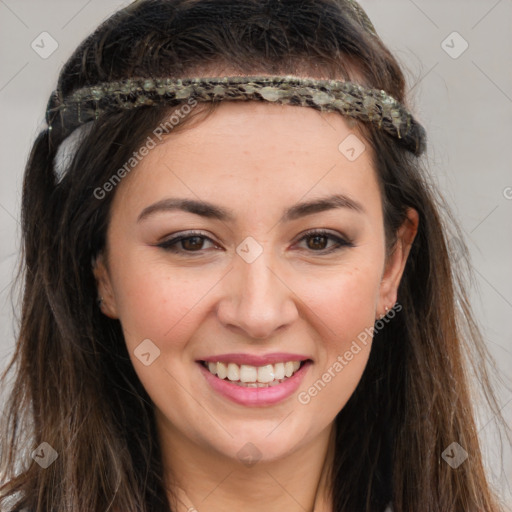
(257, 300)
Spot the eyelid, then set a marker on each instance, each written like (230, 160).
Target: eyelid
(340, 239)
(176, 238)
(324, 231)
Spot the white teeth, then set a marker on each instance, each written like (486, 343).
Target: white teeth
(233, 371)
(279, 371)
(254, 376)
(248, 373)
(266, 373)
(222, 370)
(288, 368)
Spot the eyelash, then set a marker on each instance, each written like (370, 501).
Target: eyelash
(168, 245)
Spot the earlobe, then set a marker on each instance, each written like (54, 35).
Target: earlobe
(397, 260)
(105, 299)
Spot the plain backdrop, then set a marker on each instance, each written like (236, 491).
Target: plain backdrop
(457, 57)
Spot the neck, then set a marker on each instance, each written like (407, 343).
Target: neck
(200, 479)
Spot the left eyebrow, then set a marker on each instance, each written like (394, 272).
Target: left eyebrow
(320, 205)
(210, 210)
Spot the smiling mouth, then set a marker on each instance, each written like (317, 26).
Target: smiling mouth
(254, 376)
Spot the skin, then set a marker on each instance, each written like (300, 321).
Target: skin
(256, 159)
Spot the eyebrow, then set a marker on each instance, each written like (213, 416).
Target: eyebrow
(212, 211)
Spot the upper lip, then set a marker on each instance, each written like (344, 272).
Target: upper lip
(255, 360)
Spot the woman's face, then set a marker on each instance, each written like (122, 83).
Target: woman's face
(252, 285)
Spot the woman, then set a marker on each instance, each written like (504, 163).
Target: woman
(189, 338)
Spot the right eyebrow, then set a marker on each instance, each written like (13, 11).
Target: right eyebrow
(210, 210)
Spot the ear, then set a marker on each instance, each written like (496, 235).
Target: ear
(104, 286)
(395, 264)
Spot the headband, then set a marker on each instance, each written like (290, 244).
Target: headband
(65, 114)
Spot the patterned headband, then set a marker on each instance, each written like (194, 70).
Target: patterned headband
(65, 114)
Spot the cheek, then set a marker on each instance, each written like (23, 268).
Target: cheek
(161, 303)
(342, 309)
(344, 301)
(165, 306)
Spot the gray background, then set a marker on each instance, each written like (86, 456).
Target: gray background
(464, 101)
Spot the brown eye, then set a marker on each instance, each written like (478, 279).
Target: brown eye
(190, 243)
(317, 241)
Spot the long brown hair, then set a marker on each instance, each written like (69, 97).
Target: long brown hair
(74, 386)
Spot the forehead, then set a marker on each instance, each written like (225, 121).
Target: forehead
(248, 151)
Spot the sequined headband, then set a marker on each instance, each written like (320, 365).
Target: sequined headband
(350, 99)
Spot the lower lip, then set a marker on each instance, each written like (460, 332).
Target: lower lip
(256, 396)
